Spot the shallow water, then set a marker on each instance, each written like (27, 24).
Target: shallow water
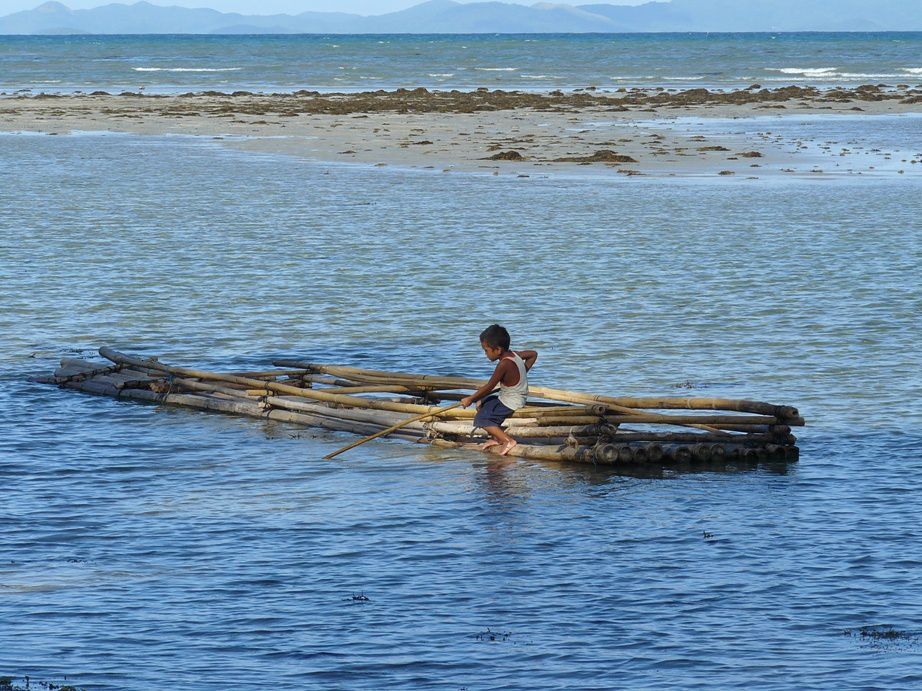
(144, 547)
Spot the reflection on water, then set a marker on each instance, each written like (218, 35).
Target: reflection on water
(144, 546)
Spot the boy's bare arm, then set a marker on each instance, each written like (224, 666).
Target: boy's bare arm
(487, 388)
(529, 356)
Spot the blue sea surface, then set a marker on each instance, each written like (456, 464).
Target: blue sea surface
(164, 64)
(144, 547)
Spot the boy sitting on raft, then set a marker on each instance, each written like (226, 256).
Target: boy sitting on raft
(511, 374)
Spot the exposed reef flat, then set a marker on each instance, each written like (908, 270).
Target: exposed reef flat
(629, 131)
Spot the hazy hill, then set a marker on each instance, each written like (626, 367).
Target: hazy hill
(446, 16)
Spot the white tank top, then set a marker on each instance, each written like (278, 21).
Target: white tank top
(513, 397)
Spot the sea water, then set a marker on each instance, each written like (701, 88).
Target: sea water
(285, 63)
(146, 547)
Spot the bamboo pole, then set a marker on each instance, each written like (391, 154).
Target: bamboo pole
(544, 453)
(701, 452)
(96, 387)
(459, 382)
(278, 387)
(639, 454)
(538, 435)
(718, 452)
(682, 420)
(518, 427)
(568, 420)
(654, 452)
(694, 403)
(251, 409)
(552, 410)
(526, 411)
(320, 379)
(195, 385)
(691, 437)
(382, 418)
(271, 374)
(632, 454)
(373, 388)
(532, 431)
(67, 374)
(625, 455)
(682, 454)
(316, 394)
(392, 428)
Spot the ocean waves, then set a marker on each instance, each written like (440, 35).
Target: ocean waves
(835, 73)
(186, 69)
(284, 64)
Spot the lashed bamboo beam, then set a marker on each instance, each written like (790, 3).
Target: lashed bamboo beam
(545, 453)
(320, 379)
(530, 431)
(206, 402)
(376, 417)
(551, 414)
(460, 382)
(318, 394)
(681, 420)
(82, 374)
(210, 387)
(272, 374)
(382, 418)
(277, 387)
(373, 388)
(623, 435)
(695, 403)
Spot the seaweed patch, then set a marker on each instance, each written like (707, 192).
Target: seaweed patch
(489, 635)
(884, 635)
(28, 684)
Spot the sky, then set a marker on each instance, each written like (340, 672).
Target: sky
(277, 6)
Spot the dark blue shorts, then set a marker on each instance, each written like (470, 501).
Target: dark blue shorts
(492, 413)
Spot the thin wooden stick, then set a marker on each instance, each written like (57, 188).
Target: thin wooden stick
(390, 429)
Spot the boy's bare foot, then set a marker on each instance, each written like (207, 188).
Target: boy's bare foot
(510, 445)
(489, 445)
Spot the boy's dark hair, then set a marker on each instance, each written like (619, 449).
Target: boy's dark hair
(495, 336)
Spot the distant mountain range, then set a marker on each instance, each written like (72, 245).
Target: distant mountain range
(446, 16)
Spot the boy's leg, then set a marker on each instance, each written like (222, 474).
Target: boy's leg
(483, 420)
(489, 417)
(499, 438)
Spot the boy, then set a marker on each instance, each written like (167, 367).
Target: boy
(511, 374)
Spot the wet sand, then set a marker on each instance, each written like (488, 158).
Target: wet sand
(628, 132)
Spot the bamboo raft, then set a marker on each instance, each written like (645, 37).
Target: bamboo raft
(556, 425)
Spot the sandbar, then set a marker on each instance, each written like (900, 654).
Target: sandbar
(629, 132)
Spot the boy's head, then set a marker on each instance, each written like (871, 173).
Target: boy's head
(495, 341)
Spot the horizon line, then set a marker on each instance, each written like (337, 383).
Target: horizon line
(478, 33)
